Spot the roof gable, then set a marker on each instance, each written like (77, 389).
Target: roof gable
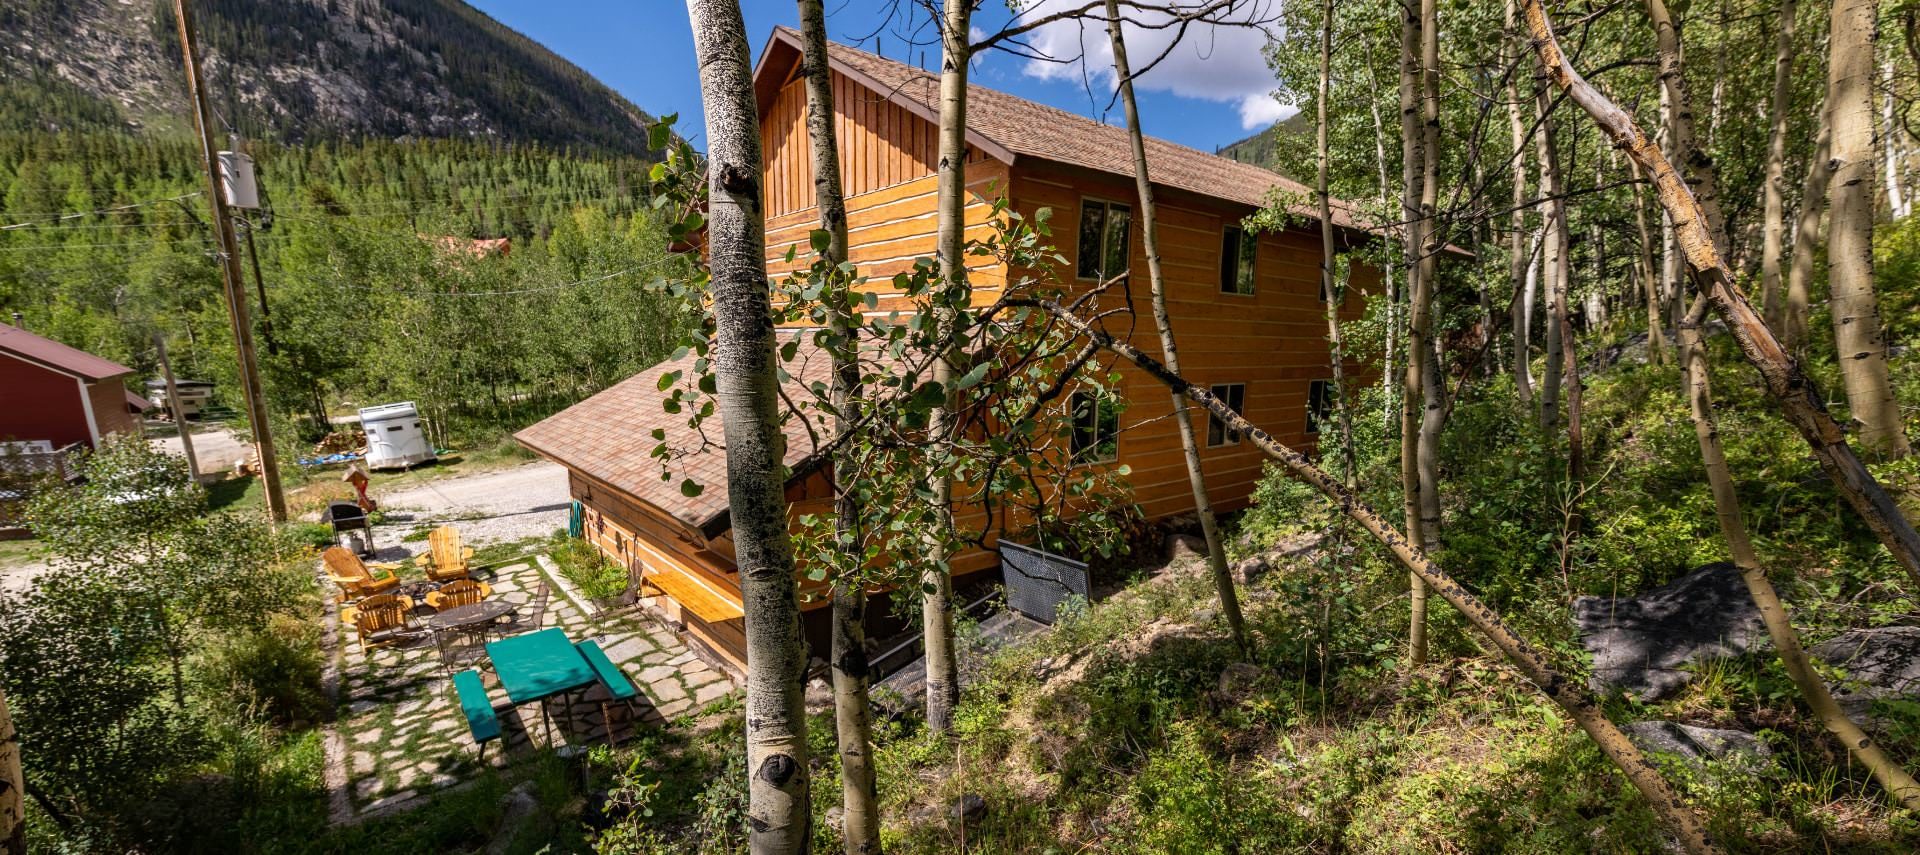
(57, 357)
(1008, 128)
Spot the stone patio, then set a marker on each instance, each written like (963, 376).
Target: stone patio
(400, 735)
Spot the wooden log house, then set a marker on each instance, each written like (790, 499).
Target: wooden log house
(1247, 312)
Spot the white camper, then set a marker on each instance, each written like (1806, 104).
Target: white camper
(395, 437)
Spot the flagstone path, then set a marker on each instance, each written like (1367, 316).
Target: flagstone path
(400, 735)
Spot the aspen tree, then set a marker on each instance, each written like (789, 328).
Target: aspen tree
(1163, 324)
(852, 716)
(1859, 344)
(746, 387)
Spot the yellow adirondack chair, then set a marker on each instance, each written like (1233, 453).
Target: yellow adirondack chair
(380, 619)
(354, 577)
(445, 559)
(460, 592)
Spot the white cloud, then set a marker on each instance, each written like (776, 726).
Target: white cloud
(1212, 62)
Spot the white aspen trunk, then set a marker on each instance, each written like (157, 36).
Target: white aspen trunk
(1806, 240)
(1389, 405)
(1553, 262)
(1519, 250)
(936, 601)
(1649, 280)
(1773, 215)
(1897, 203)
(1163, 324)
(1859, 344)
(778, 807)
(1329, 288)
(852, 715)
(1432, 392)
(1419, 304)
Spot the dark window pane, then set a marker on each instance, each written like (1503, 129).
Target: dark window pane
(1119, 218)
(1234, 395)
(1093, 225)
(1096, 428)
(1236, 261)
(1249, 246)
(1319, 404)
(1229, 260)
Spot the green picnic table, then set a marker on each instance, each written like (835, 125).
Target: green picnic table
(539, 665)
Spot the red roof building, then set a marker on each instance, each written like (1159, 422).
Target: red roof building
(61, 395)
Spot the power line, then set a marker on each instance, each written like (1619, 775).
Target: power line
(669, 257)
(30, 227)
(102, 245)
(54, 217)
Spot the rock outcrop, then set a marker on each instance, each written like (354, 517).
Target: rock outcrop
(1641, 644)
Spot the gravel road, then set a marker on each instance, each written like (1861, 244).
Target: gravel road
(528, 500)
(489, 507)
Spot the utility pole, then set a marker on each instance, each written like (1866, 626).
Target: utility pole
(179, 413)
(230, 268)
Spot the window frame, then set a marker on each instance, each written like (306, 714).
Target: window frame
(1245, 249)
(1107, 206)
(1077, 456)
(1323, 402)
(1227, 436)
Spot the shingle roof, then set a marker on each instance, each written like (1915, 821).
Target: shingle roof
(51, 354)
(610, 437)
(1029, 129)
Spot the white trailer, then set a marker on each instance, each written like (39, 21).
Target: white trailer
(395, 437)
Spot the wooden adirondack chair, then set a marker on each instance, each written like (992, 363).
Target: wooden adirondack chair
(460, 592)
(380, 619)
(445, 559)
(354, 577)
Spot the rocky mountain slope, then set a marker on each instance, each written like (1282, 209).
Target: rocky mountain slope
(303, 71)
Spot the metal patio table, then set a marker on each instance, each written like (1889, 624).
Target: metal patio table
(461, 617)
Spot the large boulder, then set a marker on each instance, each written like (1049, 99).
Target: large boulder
(1695, 745)
(1640, 644)
(1881, 663)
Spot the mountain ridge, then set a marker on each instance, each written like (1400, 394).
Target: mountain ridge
(303, 71)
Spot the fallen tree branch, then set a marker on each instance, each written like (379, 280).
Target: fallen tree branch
(1569, 694)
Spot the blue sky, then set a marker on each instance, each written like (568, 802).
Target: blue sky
(1211, 90)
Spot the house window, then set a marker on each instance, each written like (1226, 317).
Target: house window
(1096, 428)
(1234, 395)
(1237, 249)
(1319, 404)
(1103, 239)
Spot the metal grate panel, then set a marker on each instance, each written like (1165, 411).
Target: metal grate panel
(1038, 581)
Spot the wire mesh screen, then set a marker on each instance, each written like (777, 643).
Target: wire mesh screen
(1038, 582)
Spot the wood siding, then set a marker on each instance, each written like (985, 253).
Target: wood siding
(887, 162)
(1273, 341)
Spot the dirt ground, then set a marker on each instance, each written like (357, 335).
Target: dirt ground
(215, 448)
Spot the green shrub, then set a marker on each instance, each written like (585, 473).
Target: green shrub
(272, 673)
(588, 569)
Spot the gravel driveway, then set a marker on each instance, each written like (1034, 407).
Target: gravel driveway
(529, 500)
